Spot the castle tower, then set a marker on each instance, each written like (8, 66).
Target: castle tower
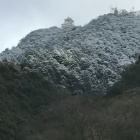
(68, 23)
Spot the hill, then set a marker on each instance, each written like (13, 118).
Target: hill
(38, 77)
(81, 59)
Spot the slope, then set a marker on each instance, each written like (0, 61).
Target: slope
(22, 97)
(82, 59)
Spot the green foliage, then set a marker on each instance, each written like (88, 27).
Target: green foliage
(22, 95)
(130, 79)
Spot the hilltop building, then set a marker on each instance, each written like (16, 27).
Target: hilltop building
(68, 23)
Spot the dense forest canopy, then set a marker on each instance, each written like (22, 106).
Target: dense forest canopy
(80, 83)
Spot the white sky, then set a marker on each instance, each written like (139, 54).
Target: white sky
(19, 17)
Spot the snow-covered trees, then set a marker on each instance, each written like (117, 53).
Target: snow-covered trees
(85, 57)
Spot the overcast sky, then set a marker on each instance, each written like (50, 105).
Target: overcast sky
(19, 17)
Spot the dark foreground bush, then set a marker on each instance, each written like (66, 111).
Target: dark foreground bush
(23, 95)
(96, 119)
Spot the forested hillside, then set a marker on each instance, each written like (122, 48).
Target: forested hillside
(32, 108)
(73, 83)
(82, 59)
